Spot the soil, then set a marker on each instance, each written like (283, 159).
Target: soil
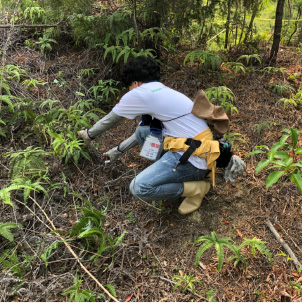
(159, 242)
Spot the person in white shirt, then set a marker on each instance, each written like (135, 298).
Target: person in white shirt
(148, 96)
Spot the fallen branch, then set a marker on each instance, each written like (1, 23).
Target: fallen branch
(73, 253)
(283, 243)
(29, 25)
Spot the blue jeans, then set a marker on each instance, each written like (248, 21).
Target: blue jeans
(159, 181)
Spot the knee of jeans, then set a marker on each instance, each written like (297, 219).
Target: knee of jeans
(141, 190)
(141, 133)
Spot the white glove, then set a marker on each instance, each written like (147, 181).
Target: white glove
(84, 136)
(113, 154)
(235, 168)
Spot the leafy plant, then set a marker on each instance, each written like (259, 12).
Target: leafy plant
(294, 100)
(208, 59)
(45, 42)
(68, 146)
(265, 124)
(254, 244)
(35, 13)
(5, 230)
(294, 76)
(14, 71)
(224, 96)
(117, 52)
(272, 69)
(281, 88)
(186, 281)
(283, 157)
(209, 241)
(91, 227)
(10, 261)
(250, 58)
(29, 162)
(32, 83)
(76, 293)
(104, 90)
(232, 137)
(236, 67)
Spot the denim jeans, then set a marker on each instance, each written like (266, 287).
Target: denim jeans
(159, 181)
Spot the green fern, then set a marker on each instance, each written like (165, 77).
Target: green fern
(187, 282)
(236, 67)
(208, 59)
(265, 124)
(76, 293)
(249, 58)
(272, 69)
(232, 137)
(259, 245)
(224, 96)
(5, 230)
(294, 100)
(29, 162)
(281, 88)
(219, 244)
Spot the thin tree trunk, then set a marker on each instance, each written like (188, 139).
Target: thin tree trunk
(242, 28)
(277, 31)
(296, 26)
(227, 25)
(250, 27)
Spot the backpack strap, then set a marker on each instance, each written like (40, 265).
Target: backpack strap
(193, 145)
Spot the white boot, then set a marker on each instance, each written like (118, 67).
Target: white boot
(194, 192)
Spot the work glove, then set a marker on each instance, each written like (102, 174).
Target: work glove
(235, 168)
(112, 155)
(83, 134)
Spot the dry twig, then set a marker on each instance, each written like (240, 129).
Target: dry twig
(283, 243)
(73, 253)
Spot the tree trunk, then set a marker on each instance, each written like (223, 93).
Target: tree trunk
(277, 31)
(227, 25)
(250, 27)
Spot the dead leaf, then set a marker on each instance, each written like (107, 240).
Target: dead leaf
(239, 233)
(181, 273)
(225, 222)
(202, 266)
(128, 298)
(284, 293)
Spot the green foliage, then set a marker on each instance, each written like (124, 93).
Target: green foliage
(5, 193)
(224, 96)
(272, 69)
(32, 83)
(9, 260)
(283, 158)
(208, 59)
(187, 282)
(27, 163)
(250, 58)
(34, 13)
(209, 241)
(67, 146)
(48, 252)
(236, 67)
(254, 244)
(5, 230)
(294, 100)
(232, 137)
(45, 42)
(294, 76)
(104, 91)
(76, 293)
(265, 124)
(281, 88)
(117, 52)
(91, 227)
(12, 71)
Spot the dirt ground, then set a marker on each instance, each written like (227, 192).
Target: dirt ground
(159, 242)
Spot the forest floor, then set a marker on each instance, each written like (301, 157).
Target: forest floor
(159, 242)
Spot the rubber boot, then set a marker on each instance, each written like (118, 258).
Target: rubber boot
(194, 192)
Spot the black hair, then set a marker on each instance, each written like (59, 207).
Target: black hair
(143, 69)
